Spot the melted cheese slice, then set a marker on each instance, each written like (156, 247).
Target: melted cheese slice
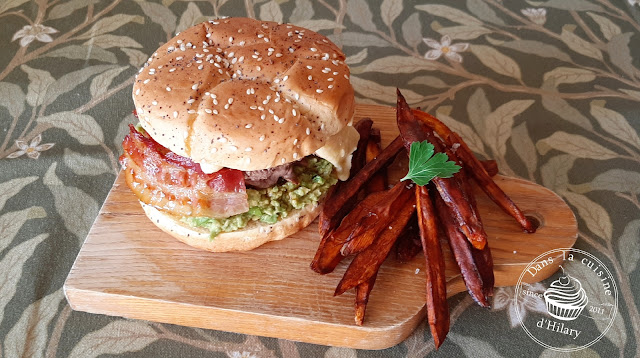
(339, 149)
(208, 169)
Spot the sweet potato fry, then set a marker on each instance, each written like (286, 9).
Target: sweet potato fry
(491, 166)
(437, 307)
(366, 264)
(379, 180)
(328, 255)
(462, 252)
(482, 258)
(333, 211)
(409, 241)
(376, 184)
(363, 291)
(358, 160)
(477, 170)
(413, 130)
(376, 220)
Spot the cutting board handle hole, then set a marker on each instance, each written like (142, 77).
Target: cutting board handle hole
(536, 219)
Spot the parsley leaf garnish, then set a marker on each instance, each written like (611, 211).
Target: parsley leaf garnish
(424, 165)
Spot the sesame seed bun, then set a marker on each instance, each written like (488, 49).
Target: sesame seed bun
(244, 94)
(252, 236)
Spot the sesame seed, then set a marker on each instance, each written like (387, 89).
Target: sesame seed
(335, 73)
(253, 107)
(330, 86)
(241, 59)
(220, 71)
(200, 67)
(308, 131)
(233, 148)
(261, 138)
(295, 155)
(322, 127)
(214, 149)
(260, 36)
(168, 89)
(241, 43)
(276, 118)
(171, 70)
(281, 120)
(258, 68)
(191, 111)
(263, 117)
(248, 149)
(179, 58)
(313, 49)
(277, 80)
(175, 114)
(191, 100)
(278, 55)
(182, 48)
(293, 111)
(231, 54)
(234, 60)
(146, 81)
(271, 111)
(296, 96)
(283, 160)
(215, 111)
(213, 95)
(215, 101)
(194, 87)
(309, 78)
(248, 160)
(226, 106)
(330, 79)
(222, 140)
(208, 110)
(319, 90)
(138, 91)
(230, 39)
(285, 78)
(309, 67)
(295, 141)
(345, 76)
(155, 103)
(249, 125)
(179, 41)
(170, 48)
(261, 108)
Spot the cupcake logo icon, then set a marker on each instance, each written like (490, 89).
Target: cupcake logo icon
(565, 298)
(574, 303)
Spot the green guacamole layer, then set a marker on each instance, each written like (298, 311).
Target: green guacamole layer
(273, 204)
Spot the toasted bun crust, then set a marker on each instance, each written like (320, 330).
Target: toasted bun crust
(244, 94)
(252, 236)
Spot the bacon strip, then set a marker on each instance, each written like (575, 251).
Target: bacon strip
(178, 185)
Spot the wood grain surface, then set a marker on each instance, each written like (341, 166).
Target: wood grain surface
(127, 267)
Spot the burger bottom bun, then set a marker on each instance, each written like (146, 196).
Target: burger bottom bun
(252, 236)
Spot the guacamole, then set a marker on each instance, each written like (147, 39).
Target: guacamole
(272, 204)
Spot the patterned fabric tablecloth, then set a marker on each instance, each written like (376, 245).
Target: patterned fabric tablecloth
(549, 88)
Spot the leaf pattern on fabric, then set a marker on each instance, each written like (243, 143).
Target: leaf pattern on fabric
(11, 266)
(29, 335)
(118, 337)
(74, 205)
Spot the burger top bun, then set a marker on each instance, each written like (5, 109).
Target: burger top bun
(244, 94)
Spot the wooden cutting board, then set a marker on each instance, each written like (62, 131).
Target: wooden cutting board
(127, 267)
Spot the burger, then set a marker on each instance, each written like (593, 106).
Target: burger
(244, 126)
